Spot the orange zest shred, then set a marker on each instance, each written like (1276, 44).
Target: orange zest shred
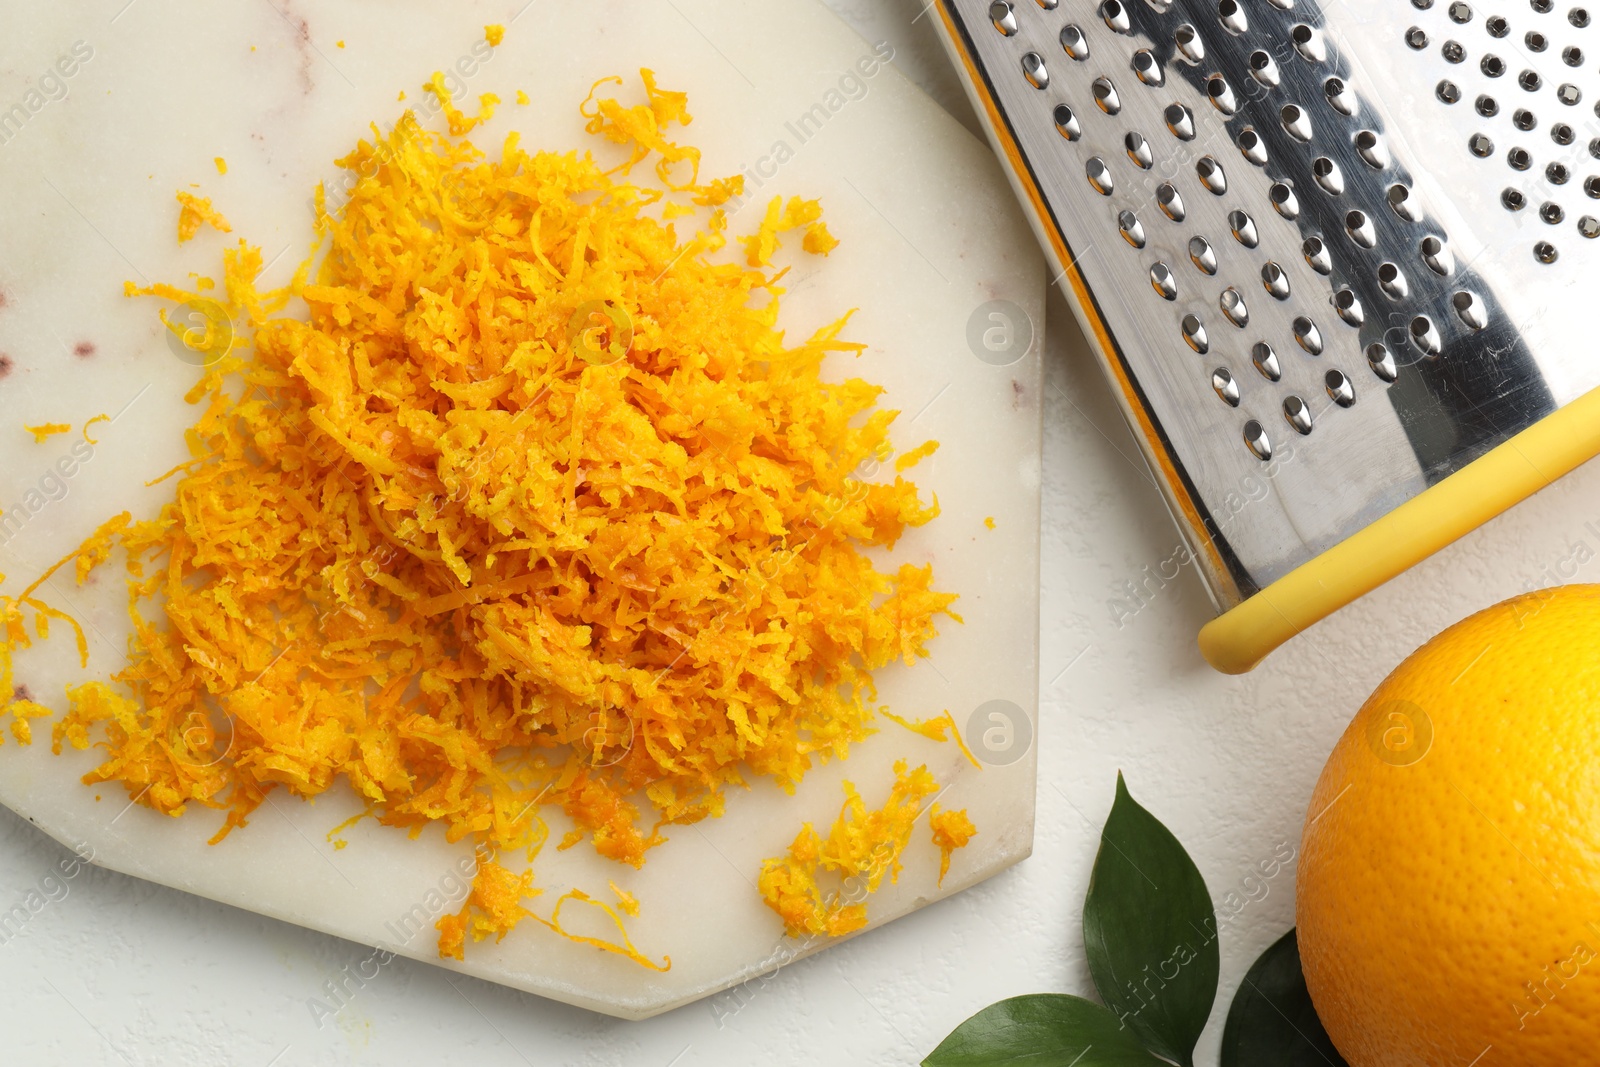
(222, 165)
(951, 830)
(435, 541)
(194, 211)
(494, 906)
(781, 218)
(91, 422)
(860, 849)
(625, 900)
(45, 431)
(910, 459)
(939, 728)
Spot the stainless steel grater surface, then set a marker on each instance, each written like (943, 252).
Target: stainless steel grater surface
(1332, 253)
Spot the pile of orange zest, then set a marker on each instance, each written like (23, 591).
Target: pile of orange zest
(194, 211)
(861, 848)
(91, 422)
(951, 830)
(47, 430)
(780, 218)
(451, 542)
(494, 34)
(905, 461)
(494, 906)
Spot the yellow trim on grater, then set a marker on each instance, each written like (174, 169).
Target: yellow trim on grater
(1242, 637)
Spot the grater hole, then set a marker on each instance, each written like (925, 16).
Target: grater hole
(1048, 5)
(1202, 255)
(1561, 133)
(1284, 202)
(1591, 185)
(1417, 38)
(1003, 17)
(1569, 94)
(1492, 66)
(1233, 306)
(1194, 334)
(1132, 229)
(1557, 174)
(1530, 80)
(1589, 226)
(1296, 122)
(1523, 119)
(1307, 335)
(1497, 26)
(1578, 17)
(1308, 42)
(1232, 17)
(1170, 202)
(1572, 56)
(1212, 175)
(1399, 197)
(1252, 147)
(1146, 69)
(1115, 16)
(1424, 335)
(1180, 120)
(1545, 252)
(1346, 303)
(1160, 7)
(1316, 253)
(1339, 96)
(1187, 39)
(1275, 281)
(1162, 281)
(1255, 436)
(1536, 41)
(1067, 123)
(1543, 7)
(1221, 94)
(1264, 69)
(1480, 145)
(1519, 159)
(1552, 212)
(1244, 228)
(1138, 150)
(1460, 13)
(1074, 43)
(1486, 106)
(1297, 414)
(1340, 390)
(1470, 309)
(1266, 361)
(1422, 5)
(1448, 91)
(1360, 229)
(1033, 69)
(1381, 360)
(1105, 95)
(1393, 281)
(1226, 387)
(1437, 256)
(1513, 200)
(1369, 146)
(1594, 148)
(1099, 175)
(1453, 52)
(1328, 175)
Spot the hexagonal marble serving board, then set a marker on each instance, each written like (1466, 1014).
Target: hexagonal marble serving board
(123, 103)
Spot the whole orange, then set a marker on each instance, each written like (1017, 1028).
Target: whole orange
(1448, 893)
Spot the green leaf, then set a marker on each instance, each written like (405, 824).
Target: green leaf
(1150, 932)
(1272, 1020)
(1042, 1030)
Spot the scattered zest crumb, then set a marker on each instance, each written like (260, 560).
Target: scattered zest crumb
(47, 430)
(522, 97)
(915, 456)
(989, 522)
(196, 210)
(951, 830)
(222, 165)
(494, 34)
(861, 848)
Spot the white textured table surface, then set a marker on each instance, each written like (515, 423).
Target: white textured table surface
(114, 970)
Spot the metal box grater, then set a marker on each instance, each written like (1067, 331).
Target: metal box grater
(1336, 258)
